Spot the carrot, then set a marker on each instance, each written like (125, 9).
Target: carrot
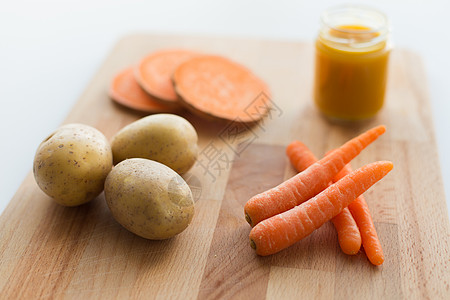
(349, 236)
(308, 183)
(154, 73)
(219, 88)
(279, 232)
(125, 90)
(300, 156)
(361, 213)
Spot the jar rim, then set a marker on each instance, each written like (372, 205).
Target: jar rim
(353, 10)
(375, 21)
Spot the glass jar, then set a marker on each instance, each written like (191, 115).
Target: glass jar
(352, 53)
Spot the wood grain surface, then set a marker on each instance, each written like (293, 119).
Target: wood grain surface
(51, 252)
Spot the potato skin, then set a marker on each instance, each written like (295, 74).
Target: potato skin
(165, 138)
(71, 165)
(149, 199)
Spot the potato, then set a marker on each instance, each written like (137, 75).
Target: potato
(71, 165)
(149, 199)
(166, 138)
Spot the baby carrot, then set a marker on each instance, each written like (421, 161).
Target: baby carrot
(280, 231)
(361, 213)
(300, 156)
(349, 237)
(308, 183)
(348, 233)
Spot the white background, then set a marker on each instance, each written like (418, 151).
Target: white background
(50, 50)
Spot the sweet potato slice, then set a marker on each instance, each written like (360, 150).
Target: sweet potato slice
(155, 71)
(220, 88)
(125, 90)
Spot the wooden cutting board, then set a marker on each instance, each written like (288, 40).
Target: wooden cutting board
(49, 251)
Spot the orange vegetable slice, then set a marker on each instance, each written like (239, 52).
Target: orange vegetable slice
(125, 90)
(220, 88)
(154, 73)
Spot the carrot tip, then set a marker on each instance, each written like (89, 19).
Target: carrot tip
(377, 262)
(252, 244)
(248, 219)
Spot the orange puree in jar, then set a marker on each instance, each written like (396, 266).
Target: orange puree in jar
(351, 65)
